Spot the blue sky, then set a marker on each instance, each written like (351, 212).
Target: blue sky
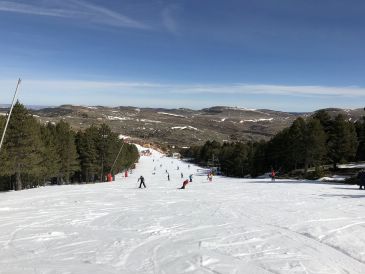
(290, 55)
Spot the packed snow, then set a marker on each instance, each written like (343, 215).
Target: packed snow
(257, 120)
(171, 114)
(150, 121)
(116, 118)
(184, 127)
(224, 226)
(352, 165)
(334, 178)
(121, 136)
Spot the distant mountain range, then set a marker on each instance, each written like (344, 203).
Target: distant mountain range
(35, 107)
(181, 127)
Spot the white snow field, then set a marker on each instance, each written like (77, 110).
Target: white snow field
(224, 226)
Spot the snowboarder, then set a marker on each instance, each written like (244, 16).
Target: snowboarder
(361, 177)
(184, 184)
(191, 178)
(141, 180)
(272, 175)
(182, 175)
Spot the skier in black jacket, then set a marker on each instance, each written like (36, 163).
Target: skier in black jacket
(361, 177)
(141, 180)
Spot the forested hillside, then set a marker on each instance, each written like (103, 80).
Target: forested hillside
(308, 143)
(35, 154)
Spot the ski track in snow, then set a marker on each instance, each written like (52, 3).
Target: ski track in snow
(227, 226)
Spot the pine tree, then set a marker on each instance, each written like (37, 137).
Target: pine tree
(315, 144)
(104, 149)
(342, 141)
(86, 148)
(259, 163)
(66, 148)
(325, 120)
(360, 129)
(22, 154)
(296, 143)
(51, 161)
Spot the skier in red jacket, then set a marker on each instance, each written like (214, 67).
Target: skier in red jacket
(272, 175)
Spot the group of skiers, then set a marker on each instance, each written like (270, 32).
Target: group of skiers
(272, 175)
(141, 181)
(188, 180)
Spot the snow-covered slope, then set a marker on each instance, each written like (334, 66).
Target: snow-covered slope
(226, 226)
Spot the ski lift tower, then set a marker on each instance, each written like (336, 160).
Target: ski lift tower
(214, 164)
(9, 114)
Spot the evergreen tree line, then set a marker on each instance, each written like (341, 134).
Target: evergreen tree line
(313, 142)
(34, 154)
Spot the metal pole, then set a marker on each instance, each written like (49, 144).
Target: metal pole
(11, 110)
(115, 161)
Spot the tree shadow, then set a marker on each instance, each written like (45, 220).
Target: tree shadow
(347, 188)
(346, 196)
(293, 181)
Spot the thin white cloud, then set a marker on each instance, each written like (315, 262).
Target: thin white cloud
(191, 89)
(77, 9)
(275, 90)
(7, 6)
(109, 17)
(147, 94)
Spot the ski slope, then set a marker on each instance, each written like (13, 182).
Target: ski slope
(224, 226)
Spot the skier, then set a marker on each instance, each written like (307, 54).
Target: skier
(184, 184)
(141, 179)
(168, 177)
(178, 168)
(188, 166)
(210, 177)
(361, 177)
(191, 177)
(182, 175)
(272, 175)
